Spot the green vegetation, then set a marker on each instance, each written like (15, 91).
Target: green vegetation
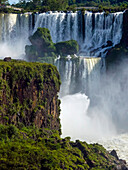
(30, 124)
(32, 148)
(58, 5)
(115, 55)
(42, 47)
(67, 48)
(3, 2)
(120, 51)
(28, 94)
(64, 5)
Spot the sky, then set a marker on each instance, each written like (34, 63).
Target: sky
(13, 1)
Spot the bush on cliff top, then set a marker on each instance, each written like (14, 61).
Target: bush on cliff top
(31, 148)
(42, 41)
(67, 48)
(43, 47)
(28, 94)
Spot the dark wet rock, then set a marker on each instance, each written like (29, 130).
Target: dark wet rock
(7, 59)
(113, 153)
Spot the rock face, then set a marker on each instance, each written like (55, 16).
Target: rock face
(42, 46)
(67, 48)
(125, 29)
(7, 59)
(28, 94)
(120, 51)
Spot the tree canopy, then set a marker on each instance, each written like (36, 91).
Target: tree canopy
(58, 5)
(3, 1)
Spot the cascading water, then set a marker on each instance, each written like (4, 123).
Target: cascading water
(84, 77)
(14, 32)
(100, 28)
(79, 75)
(103, 116)
(95, 33)
(92, 31)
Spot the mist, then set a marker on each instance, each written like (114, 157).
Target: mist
(101, 114)
(14, 32)
(14, 50)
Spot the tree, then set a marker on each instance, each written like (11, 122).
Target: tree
(56, 4)
(3, 1)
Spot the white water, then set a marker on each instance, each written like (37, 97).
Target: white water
(105, 28)
(80, 75)
(14, 32)
(102, 118)
(91, 32)
(119, 143)
(77, 124)
(99, 127)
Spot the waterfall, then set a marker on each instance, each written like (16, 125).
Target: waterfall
(79, 75)
(100, 28)
(14, 32)
(99, 108)
(91, 32)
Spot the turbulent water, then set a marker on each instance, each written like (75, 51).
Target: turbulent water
(79, 75)
(91, 31)
(93, 106)
(102, 117)
(119, 143)
(14, 32)
(91, 128)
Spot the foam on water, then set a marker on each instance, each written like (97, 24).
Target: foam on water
(77, 124)
(119, 143)
(103, 116)
(14, 32)
(91, 31)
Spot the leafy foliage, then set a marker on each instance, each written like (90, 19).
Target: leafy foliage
(27, 146)
(67, 48)
(53, 5)
(28, 94)
(42, 46)
(33, 148)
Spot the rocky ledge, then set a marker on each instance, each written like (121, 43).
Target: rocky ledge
(28, 94)
(30, 124)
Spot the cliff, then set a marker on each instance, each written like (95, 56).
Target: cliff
(28, 94)
(42, 47)
(120, 51)
(30, 126)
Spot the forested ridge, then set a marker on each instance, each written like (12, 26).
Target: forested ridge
(46, 5)
(63, 5)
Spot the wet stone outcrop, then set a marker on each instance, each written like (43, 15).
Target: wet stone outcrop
(28, 94)
(42, 47)
(120, 52)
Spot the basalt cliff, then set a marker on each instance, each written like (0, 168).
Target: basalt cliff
(120, 52)
(29, 94)
(30, 125)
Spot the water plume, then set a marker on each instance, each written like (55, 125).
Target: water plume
(104, 114)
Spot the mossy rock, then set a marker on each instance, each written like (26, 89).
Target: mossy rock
(67, 48)
(42, 46)
(33, 148)
(28, 94)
